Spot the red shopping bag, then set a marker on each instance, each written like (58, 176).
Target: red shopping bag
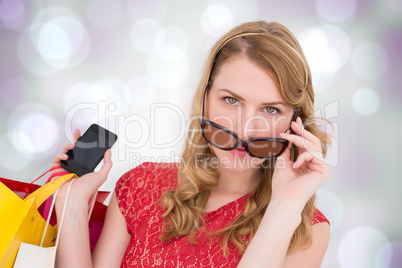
(96, 221)
(20, 188)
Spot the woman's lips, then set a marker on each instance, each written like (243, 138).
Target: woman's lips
(239, 151)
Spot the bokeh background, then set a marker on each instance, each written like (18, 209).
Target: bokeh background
(133, 66)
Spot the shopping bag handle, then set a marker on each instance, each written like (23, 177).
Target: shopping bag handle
(44, 192)
(54, 174)
(62, 215)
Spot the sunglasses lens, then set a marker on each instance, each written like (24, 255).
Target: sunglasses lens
(265, 148)
(218, 137)
(223, 139)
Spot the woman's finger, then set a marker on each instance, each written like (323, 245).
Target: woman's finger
(299, 129)
(286, 154)
(77, 135)
(313, 163)
(302, 143)
(284, 159)
(58, 158)
(67, 147)
(303, 158)
(107, 164)
(62, 156)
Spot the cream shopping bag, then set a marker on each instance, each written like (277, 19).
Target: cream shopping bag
(34, 256)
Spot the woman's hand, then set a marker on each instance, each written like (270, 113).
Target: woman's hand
(63, 154)
(297, 182)
(86, 186)
(74, 247)
(292, 186)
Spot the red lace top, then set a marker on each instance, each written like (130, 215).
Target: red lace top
(139, 193)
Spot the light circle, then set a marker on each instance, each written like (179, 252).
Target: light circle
(396, 253)
(336, 10)
(14, 92)
(168, 74)
(10, 157)
(171, 52)
(12, 13)
(321, 55)
(182, 98)
(147, 35)
(383, 257)
(365, 101)
(87, 103)
(177, 37)
(106, 91)
(143, 91)
(359, 247)
(369, 60)
(332, 205)
(327, 49)
(33, 129)
(53, 42)
(216, 19)
(175, 44)
(62, 42)
(104, 14)
(139, 9)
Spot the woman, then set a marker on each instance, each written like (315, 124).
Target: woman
(243, 193)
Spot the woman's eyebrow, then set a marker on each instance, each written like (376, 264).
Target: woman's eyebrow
(231, 92)
(242, 99)
(274, 103)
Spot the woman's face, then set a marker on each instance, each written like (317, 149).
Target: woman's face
(245, 99)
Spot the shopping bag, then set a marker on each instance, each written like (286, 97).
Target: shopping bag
(34, 256)
(23, 189)
(96, 221)
(20, 188)
(20, 220)
(98, 214)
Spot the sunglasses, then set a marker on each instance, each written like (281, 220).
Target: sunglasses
(225, 139)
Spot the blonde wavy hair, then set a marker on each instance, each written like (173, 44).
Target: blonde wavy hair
(274, 48)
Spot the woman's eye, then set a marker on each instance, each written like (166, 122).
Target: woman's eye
(271, 110)
(231, 100)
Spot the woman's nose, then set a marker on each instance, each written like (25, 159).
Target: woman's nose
(255, 126)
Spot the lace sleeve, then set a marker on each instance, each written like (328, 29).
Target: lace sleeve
(318, 217)
(125, 187)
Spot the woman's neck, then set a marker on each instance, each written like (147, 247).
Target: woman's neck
(232, 185)
(238, 183)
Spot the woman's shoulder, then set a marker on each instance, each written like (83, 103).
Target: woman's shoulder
(148, 168)
(150, 175)
(143, 185)
(318, 217)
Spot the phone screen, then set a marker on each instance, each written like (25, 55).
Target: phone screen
(89, 150)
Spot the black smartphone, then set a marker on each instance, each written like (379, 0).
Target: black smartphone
(89, 150)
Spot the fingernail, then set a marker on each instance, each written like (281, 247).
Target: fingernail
(295, 164)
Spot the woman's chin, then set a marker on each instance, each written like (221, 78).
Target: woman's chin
(238, 161)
